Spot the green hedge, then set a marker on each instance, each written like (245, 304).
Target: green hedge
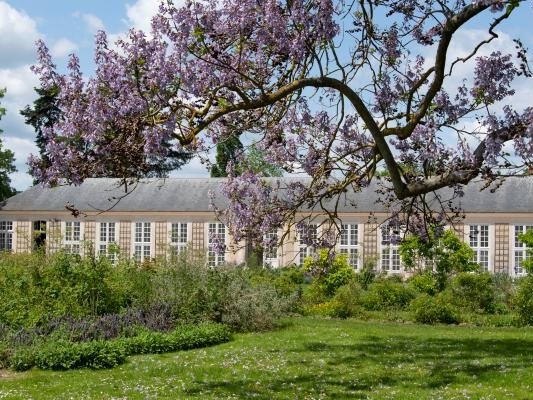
(97, 354)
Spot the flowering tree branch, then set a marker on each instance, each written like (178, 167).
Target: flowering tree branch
(331, 90)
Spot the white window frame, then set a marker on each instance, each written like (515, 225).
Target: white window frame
(519, 249)
(271, 250)
(142, 245)
(349, 243)
(7, 235)
(390, 252)
(102, 246)
(215, 259)
(483, 255)
(305, 250)
(179, 246)
(72, 243)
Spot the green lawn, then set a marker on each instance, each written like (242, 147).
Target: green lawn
(313, 359)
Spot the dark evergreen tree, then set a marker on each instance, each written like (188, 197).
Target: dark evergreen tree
(7, 163)
(45, 113)
(228, 150)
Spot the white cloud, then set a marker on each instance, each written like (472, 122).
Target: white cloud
(18, 33)
(22, 148)
(462, 45)
(92, 21)
(63, 47)
(21, 181)
(193, 169)
(140, 14)
(19, 83)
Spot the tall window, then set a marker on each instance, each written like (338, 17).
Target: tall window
(216, 239)
(479, 241)
(107, 240)
(179, 237)
(349, 243)
(6, 235)
(519, 250)
(390, 254)
(39, 235)
(307, 235)
(270, 251)
(142, 245)
(72, 237)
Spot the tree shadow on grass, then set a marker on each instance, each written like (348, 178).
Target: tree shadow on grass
(353, 370)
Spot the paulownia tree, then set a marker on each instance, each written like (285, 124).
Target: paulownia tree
(332, 89)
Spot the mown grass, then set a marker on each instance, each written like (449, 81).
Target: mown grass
(313, 359)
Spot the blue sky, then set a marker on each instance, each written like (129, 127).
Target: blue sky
(68, 26)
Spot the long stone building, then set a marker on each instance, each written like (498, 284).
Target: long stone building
(162, 216)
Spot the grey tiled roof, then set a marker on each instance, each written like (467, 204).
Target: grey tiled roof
(189, 195)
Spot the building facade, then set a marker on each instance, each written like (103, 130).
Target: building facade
(160, 217)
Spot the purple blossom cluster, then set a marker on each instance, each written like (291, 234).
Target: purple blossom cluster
(493, 76)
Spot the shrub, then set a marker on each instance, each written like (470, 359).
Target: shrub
(36, 288)
(472, 291)
(330, 272)
(504, 291)
(433, 309)
(367, 275)
(61, 355)
(247, 309)
(97, 354)
(523, 300)
(325, 309)
(385, 294)
(22, 359)
(313, 294)
(289, 281)
(424, 282)
(443, 251)
(182, 338)
(58, 355)
(347, 301)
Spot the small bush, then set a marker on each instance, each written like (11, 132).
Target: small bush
(472, 291)
(367, 275)
(523, 300)
(182, 338)
(325, 309)
(313, 294)
(289, 281)
(329, 271)
(431, 310)
(348, 301)
(21, 360)
(504, 291)
(97, 354)
(424, 282)
(386, 294)
(248, 309)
